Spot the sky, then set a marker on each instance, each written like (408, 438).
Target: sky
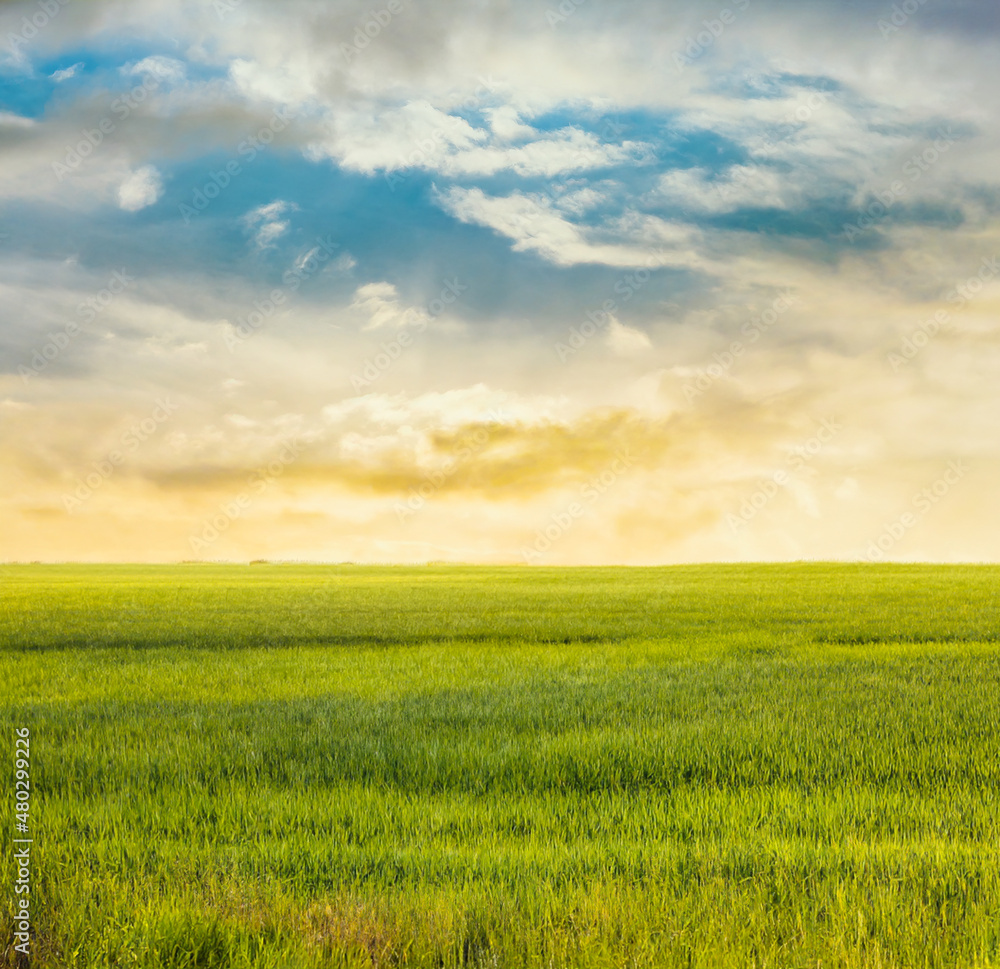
(587, 282)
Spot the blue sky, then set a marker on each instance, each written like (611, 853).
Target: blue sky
(693, 230)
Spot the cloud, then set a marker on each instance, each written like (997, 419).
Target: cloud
(656, 487)
(66, 73)
(372, 137)
(8, 119)
(266, 224)
(535, 225)
(565, 151)
(581, 200)
(740, 186)
(626, 341)
(281, 85)
(380, 303)
(506, 124)
(553, 171)
(141, 188)
(384, 137)
(166, 69)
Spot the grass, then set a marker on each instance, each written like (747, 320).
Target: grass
(701, 766)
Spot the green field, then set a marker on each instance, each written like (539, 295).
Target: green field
(335, 766)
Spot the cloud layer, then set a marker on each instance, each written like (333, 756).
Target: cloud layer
(634, 283)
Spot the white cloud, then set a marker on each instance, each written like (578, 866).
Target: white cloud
(626, 341)
(380, 303)
(507, 125)
(398, 415)
(164, 68)
(375, 137)
(141, 188)
(567, 150)
(535, 226)
(66, 73)
(268, 212)
(344, 263)
(266, 224)
(269, 232)
(580, 201)
(741, 186)
(419, 135)
(281, 85)
(10, 120)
